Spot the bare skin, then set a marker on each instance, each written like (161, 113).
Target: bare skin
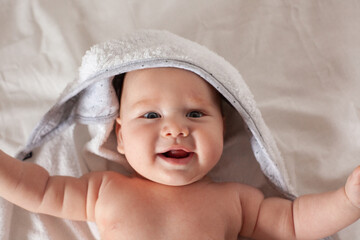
(181, 203)
(201, 210)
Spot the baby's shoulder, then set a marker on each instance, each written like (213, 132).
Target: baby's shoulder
(244, 191)
(103, 176)
(235, 186)
(104, 179)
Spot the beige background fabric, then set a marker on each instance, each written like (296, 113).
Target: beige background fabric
(300, 59)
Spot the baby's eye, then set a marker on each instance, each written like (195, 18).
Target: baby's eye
(194, 114)
(151, 115)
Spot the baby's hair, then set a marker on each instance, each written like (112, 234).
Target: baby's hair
(117, 83)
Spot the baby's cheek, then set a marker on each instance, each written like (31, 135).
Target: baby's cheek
(213, 148)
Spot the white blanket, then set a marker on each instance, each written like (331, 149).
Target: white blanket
(300, 61)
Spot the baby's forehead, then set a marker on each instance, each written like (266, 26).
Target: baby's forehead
(124, 94)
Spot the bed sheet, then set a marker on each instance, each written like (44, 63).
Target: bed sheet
(300, 58)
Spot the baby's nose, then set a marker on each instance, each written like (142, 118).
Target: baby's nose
(174, 129)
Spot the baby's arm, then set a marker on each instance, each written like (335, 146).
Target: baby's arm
(30, 186)
(309, 217)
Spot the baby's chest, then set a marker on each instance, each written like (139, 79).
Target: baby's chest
(171, 217)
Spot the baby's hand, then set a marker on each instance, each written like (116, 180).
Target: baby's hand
(352, 187)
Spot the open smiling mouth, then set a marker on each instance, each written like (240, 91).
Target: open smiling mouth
(176, 154)
(179, 157)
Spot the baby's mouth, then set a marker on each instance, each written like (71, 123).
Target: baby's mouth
(178, 154)
(178, 157)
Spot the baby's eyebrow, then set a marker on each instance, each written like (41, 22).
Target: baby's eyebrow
(145, 102)
(193, 100)
(198, 100)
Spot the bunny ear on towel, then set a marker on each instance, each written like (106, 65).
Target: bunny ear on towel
(92, 100)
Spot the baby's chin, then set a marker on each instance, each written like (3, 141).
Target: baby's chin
(174, 182)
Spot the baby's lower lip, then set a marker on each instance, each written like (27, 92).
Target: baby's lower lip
(177, 161)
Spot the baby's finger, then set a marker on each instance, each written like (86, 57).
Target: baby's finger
(355, 176)
(352, 187)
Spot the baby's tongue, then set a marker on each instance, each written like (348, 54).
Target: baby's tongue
(176, 154)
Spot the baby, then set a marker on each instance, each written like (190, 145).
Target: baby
(171, 130)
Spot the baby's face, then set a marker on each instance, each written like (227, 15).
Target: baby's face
(170, 127)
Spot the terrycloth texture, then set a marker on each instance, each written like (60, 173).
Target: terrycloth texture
(80, 125)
